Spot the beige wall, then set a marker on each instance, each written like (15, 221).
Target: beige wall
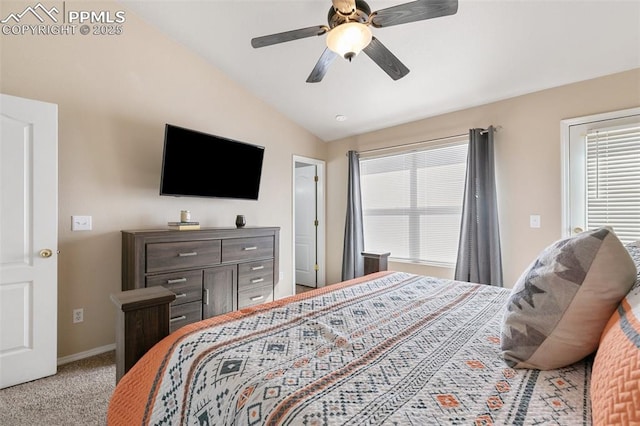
(114, 95)
(527, 156)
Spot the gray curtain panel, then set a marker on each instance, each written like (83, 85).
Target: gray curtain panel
(479, 256)
(352, 260)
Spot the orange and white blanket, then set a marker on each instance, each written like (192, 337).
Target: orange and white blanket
(390, 348)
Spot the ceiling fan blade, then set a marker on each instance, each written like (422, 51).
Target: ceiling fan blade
(385, 59)
(414, 11)
(268, 40)
(322, 66)
(346, 7)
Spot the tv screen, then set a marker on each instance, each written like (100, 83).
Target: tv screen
(197, 164)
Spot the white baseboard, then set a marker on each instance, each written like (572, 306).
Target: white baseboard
(86, 354)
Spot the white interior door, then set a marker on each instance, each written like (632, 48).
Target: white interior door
(305, 225)
(28, 239)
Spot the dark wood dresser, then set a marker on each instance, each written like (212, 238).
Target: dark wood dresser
(211, 271)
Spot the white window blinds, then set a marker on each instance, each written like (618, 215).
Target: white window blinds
(412, 202)
(613, 180)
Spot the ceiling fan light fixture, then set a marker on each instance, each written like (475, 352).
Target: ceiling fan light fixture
(348, 39)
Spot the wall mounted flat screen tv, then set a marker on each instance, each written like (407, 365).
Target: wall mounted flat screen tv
(197, 164)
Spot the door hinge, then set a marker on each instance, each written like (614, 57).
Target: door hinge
(316, 267)
(316, 178)
(316, 223)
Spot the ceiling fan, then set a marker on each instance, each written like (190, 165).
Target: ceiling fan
(348, 32)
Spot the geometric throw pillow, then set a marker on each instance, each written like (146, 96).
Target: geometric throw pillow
(560, 305)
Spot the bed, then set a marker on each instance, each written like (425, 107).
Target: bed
(387, 348)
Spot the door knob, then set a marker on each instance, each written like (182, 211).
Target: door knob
(577, 230)
(46, 253)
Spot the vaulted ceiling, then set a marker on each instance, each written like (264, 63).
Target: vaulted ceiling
(489, 50)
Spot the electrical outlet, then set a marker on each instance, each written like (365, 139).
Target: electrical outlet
(78, 315)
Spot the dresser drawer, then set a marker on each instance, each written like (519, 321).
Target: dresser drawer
(184, 314)
(255, 274)
(186, 285)
(182, 255)
(254, 296)
(241, 249)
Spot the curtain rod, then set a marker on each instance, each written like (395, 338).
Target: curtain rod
(445, 138)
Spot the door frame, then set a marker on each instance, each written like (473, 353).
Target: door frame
(565, 141)
(321, 231)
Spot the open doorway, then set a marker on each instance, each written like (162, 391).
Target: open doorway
(308, 223)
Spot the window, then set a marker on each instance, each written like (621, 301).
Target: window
(604, 173)
(613, 180)
(412, 202)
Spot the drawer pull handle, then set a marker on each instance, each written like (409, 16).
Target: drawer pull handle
(257, 280)
(257, 268)
(181, 295)
(193, 253)
(206, 296)
(256, 298)
(177, 280)
(180, 318)
(250, 248)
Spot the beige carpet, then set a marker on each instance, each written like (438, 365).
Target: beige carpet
(77, 395)
(303, 288)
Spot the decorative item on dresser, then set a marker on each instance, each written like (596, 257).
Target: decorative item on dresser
(211, 271)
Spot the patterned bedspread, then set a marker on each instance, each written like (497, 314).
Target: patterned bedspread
(396, 349)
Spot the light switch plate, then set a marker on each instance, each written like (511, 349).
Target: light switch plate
(534, 221)
(81, 223)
